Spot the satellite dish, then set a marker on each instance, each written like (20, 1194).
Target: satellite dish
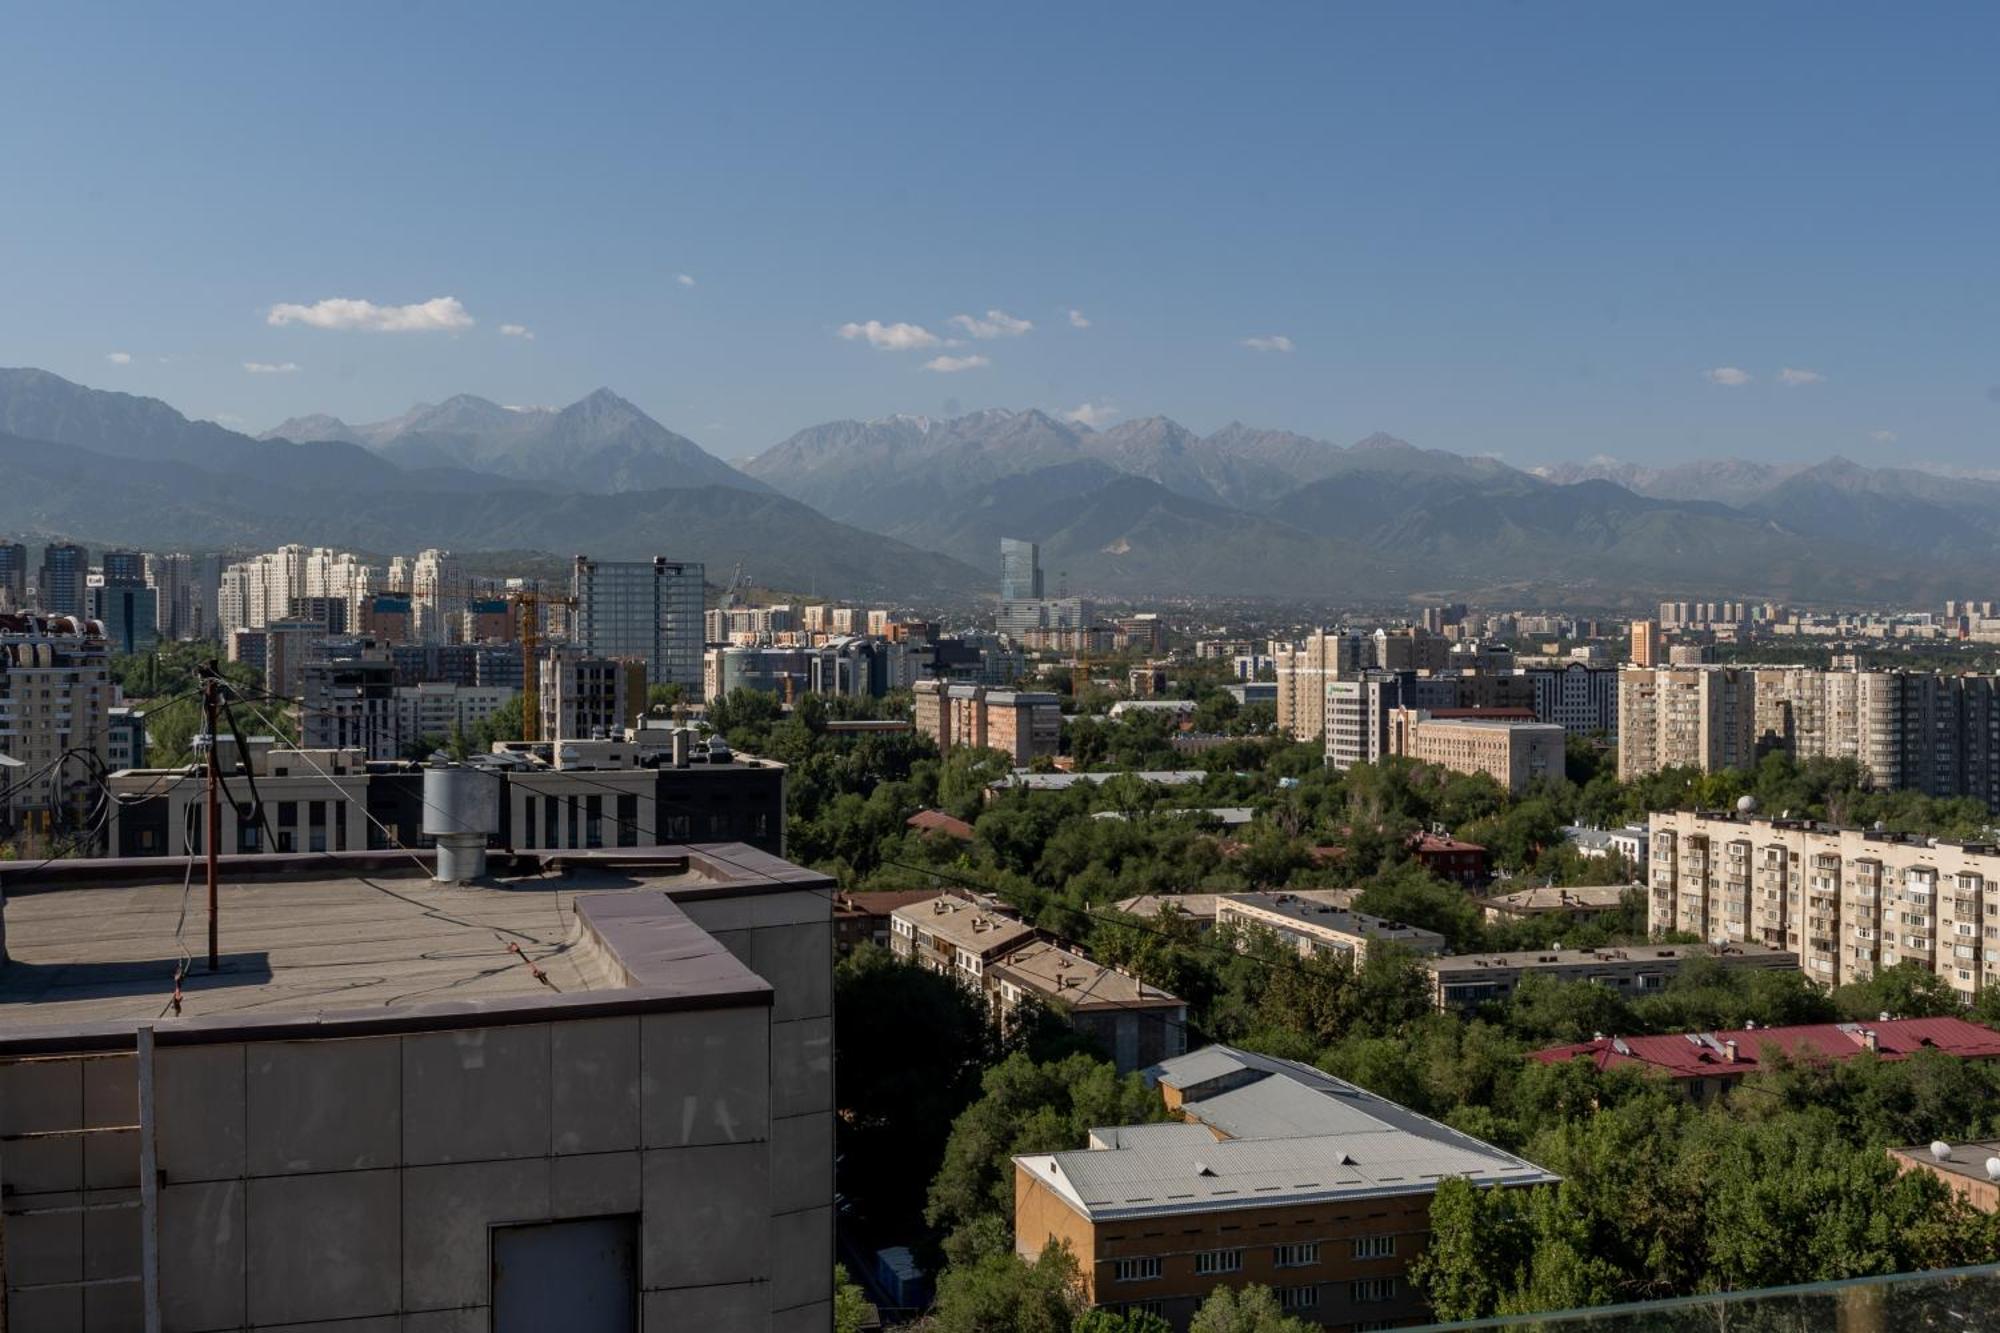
(1941, 1150)
(1993, 1168)
(1746, 805)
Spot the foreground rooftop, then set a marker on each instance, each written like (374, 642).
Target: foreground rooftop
(367, 941)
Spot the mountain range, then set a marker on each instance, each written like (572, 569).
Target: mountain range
(910, 507)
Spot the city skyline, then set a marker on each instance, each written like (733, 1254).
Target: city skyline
(1632, 235)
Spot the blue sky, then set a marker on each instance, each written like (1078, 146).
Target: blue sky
(1536, 230)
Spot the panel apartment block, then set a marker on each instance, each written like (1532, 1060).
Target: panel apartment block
(1847, 902)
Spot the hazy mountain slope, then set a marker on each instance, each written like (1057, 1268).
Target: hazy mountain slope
(1730, 481)
(601, 443)
(1891, 509)
(74, 493)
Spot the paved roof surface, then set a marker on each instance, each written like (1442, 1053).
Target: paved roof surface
(1620, 954)
(1078, 982)
(1966, 1159)
(969, 925)
(318, 936)
(1334, 1140)
(1324, 915)
(1706, 1054)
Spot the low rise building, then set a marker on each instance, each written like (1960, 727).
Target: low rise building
(1597, 844)
(1704, 1064)
(1969, 1170)
(955, 936)
(1316, 927)
(1572, 903)
(1136, 1024)
(1275, 1173)
(1515, 754)
(862, 917)
(374, 1113)
(1464, 863)
(1465, 981)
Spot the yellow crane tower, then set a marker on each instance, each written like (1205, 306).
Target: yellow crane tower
(530, 602)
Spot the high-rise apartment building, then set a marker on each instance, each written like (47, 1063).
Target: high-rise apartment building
(63, 587)
(171, 577)
(285, 583)
(648, 610)
(585, 696)
(351, 705)
(439, 592)
(55, 708)
(13, 576)
(1303, 672)
(1685, 717)
(1579, 698)
(1848, 902)
(1648, 644)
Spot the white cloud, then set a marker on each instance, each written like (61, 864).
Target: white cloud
(997, 324)
(1078, 320)
(119, 358)
(517, 331)
(947, 365)
(272, 367)
(1792, 379)
(1884, 437)
(1729, 375)
(440, 314)
(1276, 342)
(684, 279)
(1092, 415)
(890, 337)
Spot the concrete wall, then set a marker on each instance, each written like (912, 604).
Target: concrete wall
(357, 1180)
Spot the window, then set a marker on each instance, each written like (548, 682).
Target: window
(1298, 1298)
(1136, 1270)
(1218, 1261)
(1295, 1256)
(1374, 1247)
(1370, 1290)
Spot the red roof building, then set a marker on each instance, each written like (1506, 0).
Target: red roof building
(937, 821)
(1707, 1062)
(1464, 863)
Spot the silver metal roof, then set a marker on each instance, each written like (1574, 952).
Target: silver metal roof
(1295, 1135)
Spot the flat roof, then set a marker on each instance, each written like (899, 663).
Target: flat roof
(1021, 777)
(1623, 953)
(1293, 1135)
(1560, 898)
(1324, 915)
(1962, 1159)
(342, 943)
(1078, 982)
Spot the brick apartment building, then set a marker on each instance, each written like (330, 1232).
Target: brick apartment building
(1276, 1173)
(1022, 724)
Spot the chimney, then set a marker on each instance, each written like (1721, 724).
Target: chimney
(1870, 1040)
(1729, 1049)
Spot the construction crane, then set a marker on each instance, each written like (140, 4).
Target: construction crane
(530, 602)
